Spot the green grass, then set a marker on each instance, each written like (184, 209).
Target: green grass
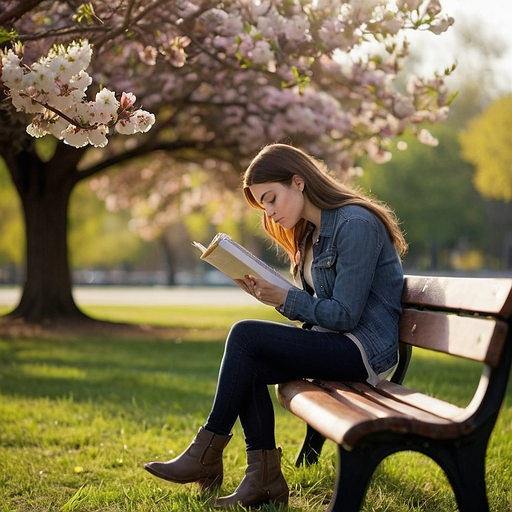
(80, 416)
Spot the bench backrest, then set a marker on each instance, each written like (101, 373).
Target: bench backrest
(459, 316)
(470, 318)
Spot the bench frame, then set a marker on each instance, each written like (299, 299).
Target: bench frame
(430, 304)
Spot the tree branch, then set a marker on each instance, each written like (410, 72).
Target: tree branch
(127, 22)
(142, 150)
(146, 149)
(20, 8)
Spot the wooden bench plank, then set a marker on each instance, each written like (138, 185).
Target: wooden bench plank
(486, 295)
(475, 338)
(415, 405)
(370, 398)
(345, 416)
(320, 410)
(421, 401)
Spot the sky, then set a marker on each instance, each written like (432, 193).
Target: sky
(489, 18)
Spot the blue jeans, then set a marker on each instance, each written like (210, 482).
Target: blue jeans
(259, 353)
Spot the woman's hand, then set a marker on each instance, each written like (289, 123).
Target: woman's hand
(265, 292)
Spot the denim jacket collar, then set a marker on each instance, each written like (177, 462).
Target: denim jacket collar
(328, 222)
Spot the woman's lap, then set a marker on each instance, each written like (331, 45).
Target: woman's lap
(285, 352)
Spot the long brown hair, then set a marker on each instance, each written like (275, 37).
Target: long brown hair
(279, 163)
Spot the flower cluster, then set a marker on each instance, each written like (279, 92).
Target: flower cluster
(276, 71)
(54, 89)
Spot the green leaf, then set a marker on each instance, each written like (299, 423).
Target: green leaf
(7, 36)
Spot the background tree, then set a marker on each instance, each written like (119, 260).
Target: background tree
(477, 83)
(96, 237)
(11, 241)
(223, 80)
(432, 193)
(487, 144)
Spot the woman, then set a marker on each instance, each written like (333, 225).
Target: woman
(345, 251)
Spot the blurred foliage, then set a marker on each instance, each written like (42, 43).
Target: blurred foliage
(11, 222)
(432, 193)
(96, 236)
(487, 144)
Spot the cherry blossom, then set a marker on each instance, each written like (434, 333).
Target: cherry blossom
(231, 78)
(54, 89)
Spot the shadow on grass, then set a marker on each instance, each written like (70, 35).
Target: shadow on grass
(111, 370)
(156, 371)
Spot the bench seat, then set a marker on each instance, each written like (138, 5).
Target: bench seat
(347, 412)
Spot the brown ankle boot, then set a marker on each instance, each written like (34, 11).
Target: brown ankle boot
(201, 462)
(263, 482)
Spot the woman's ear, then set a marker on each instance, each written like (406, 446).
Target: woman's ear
(298, 182)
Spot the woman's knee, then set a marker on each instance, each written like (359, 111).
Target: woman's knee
(244, 332)
(240, 330)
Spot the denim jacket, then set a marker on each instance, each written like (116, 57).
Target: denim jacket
(358, 279)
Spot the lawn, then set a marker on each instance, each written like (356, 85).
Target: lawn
(80, 415)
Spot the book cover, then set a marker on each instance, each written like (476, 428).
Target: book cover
(236, 261)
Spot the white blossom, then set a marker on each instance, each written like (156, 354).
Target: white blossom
(262, 53)
(425, 137)
(54, 90)
(296, 28)
(98, 137)
(75, 137)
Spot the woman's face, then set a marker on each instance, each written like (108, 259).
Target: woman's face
(285, 204)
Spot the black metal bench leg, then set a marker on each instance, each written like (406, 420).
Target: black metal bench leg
(312, 447)
(464, 466)
(354, 472)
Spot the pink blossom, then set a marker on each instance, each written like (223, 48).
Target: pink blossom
(442, 25)
(296, 29)
(127, 100)
(262, 54)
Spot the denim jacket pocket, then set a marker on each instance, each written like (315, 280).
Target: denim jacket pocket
(326, 259)
(324, 272)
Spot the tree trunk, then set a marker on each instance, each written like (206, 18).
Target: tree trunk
(169, 259)
(44, 189)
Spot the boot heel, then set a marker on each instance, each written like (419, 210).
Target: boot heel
(263, 482)
(282, 499)
(210, 484)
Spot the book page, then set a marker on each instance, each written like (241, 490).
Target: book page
(236, 262)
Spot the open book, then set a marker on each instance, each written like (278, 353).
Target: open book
(236, 261)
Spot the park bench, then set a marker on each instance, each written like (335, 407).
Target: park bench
(465, 317)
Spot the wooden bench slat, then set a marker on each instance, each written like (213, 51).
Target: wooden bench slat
(320, 410)
(347, 396)
(343, 416)
(421, 401)
(487, 295)
(369, 399)
(416, 405)
(474, 338)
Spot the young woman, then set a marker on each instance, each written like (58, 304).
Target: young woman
(345, 251)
